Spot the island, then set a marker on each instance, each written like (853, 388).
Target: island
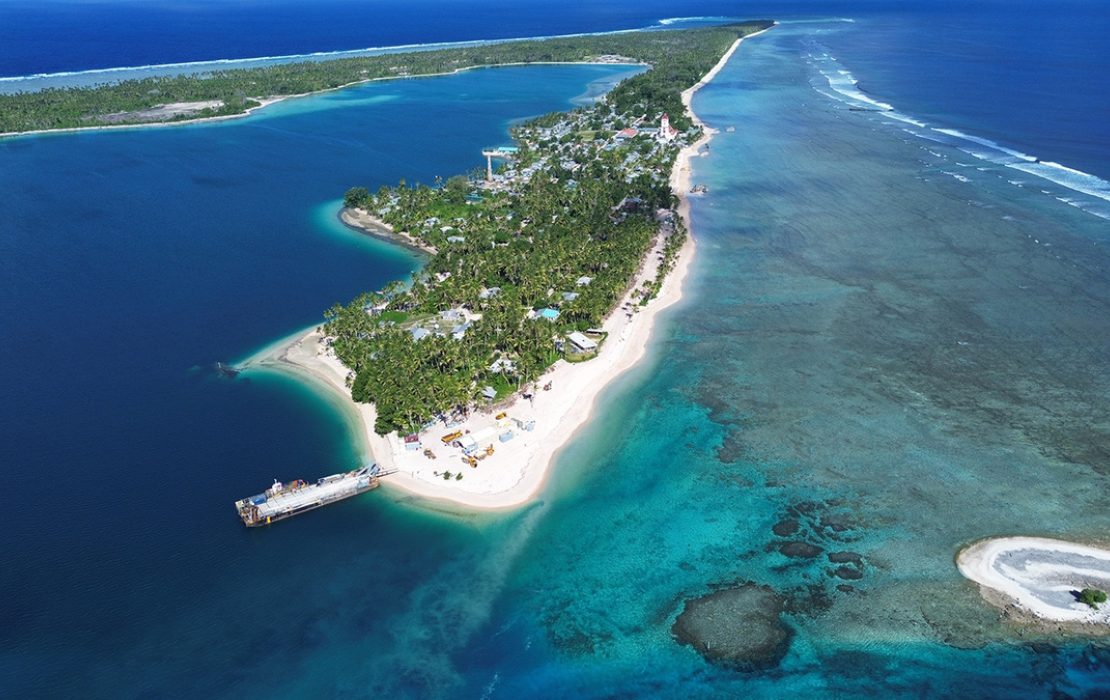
(542, 283)
(223, 94)
(1042, 581)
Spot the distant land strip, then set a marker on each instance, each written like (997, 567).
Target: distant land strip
(229, 93)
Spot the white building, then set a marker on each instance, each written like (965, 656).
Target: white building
(666, 131)
(581, 343)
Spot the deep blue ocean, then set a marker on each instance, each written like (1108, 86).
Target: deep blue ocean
(896, 335)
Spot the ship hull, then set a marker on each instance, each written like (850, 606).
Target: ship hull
(284, 502)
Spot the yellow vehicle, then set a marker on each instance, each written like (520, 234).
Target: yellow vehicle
(501, 416)
(451, 437)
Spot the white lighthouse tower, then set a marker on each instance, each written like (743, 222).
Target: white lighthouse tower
(666, 131)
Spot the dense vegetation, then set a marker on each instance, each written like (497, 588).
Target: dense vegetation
(576, 202)
(239, 89)
(1092, 597)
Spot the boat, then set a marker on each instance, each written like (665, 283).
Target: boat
(282, 501)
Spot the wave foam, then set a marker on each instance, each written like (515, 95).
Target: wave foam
(1070, 178)
(668, 21)
(955, 133)
(844, 83)
(222, 63)
(846, 91)
(825, 20)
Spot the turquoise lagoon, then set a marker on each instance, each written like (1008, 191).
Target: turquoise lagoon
(873, 355)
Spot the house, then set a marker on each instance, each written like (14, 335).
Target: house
(570, 296)
(625, 134)
(456, 239)
(419, 333)
(502, 364)
(581, 343)
(460, 330)
(489, 392)
(583, 281)
(471, 442)
(412, 442)
(489, 293)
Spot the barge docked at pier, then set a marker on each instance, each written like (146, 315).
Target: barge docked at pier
(282, 501)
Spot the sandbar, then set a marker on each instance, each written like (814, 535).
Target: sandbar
(1039, 576)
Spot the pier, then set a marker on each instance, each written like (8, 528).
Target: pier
(501, 153)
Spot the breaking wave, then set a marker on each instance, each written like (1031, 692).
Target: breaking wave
(844, 88)
(699, 18)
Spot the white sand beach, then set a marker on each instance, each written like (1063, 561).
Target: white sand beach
(1040, 576)
(517, 469)
(371, 225)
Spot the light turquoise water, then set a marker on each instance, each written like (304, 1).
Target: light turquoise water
(899, 361)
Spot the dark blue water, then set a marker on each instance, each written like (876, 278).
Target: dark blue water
(863, 330)
(131, 262)
(1031, 75)
(61, 35)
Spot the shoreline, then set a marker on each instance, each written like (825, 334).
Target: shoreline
(365, 223)
(520, 468)
(265, 102)
(1033, 580)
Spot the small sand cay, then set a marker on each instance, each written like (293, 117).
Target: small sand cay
(1040, 576)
